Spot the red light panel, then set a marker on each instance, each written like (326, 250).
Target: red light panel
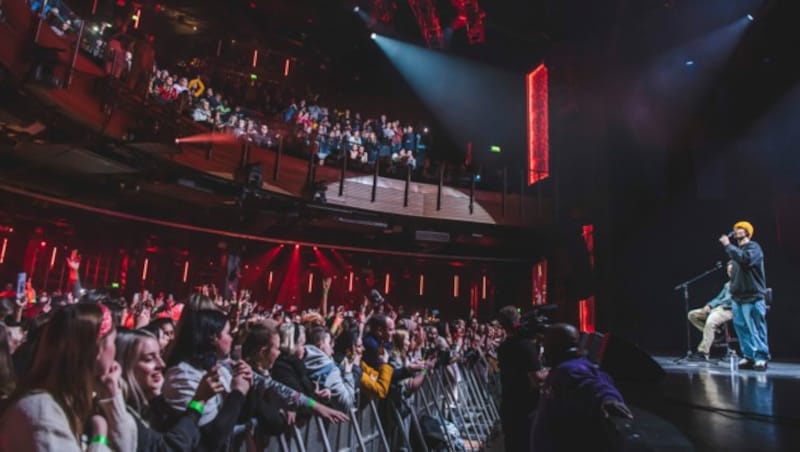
(586, 315)
(539, 283)
(538, 125)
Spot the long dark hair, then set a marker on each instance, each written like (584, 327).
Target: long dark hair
(194, 341)
(65, 361)
(7, 382)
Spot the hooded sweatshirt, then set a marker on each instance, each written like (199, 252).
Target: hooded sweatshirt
(321, 368)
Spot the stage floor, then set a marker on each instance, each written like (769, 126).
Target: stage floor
(714, 410)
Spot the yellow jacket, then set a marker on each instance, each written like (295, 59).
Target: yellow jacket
(375, 383)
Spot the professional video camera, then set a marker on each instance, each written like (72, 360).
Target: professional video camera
(534, 322)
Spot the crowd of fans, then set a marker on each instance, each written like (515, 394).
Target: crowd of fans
(329, 134)
(244, 107)
(147, 373)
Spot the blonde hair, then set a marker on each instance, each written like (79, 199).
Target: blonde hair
(290, 333)
(399, 348)
(129, 349)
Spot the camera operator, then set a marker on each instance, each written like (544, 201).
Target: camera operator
(519, 363)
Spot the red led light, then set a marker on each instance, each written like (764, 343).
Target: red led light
(538, 125)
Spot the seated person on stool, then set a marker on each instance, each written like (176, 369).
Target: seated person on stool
(710, 317)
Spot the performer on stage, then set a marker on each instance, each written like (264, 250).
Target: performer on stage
(74, 279)
(748, 287)
(710, 317)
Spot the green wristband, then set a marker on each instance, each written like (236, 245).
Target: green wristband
(99, 439)
(199, 407)
(311, 403)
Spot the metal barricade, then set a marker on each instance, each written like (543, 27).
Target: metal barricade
(456, 397)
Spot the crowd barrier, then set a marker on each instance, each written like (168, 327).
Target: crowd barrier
(453, 410)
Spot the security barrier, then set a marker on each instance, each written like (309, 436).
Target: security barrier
(453, 410)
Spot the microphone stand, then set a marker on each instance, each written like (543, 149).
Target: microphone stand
(684, 287)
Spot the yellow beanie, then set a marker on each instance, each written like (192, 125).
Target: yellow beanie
(746, 226)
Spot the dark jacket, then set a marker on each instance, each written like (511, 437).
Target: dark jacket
(573, 394)
(518, 357)
(292, 372)
(748, 280)
(182, 434)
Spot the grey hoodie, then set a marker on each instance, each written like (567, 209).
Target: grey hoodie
(321, 368)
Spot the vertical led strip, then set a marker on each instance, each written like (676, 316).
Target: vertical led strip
(185, 271)
(310, 282)
(421, 285)
(483, 287)
(386, 284)
(455, 286)
(538, 125)
(3, 251)
(350, 283)
(269, 281)
(144, 269)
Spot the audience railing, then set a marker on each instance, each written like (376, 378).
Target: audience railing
(454, 399)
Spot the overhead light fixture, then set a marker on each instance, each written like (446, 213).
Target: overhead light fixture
(373, 36)
(750, 17)
(356, 9)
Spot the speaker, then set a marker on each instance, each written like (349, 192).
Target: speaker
(626, 362)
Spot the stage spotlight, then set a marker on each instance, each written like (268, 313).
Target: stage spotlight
(689, 63)
(373, 36)
(750, 17)
(177, 140)
(356, 9)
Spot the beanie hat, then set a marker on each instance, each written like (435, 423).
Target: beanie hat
(746, 226)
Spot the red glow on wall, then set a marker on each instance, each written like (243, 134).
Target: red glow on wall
(326, 267)
(539, 283)
(291, 286)
(588, 237)
(538, 125)
(586, 315)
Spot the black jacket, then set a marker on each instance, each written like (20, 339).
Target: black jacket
(748, 280)
(183, 435)
(291, 371)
